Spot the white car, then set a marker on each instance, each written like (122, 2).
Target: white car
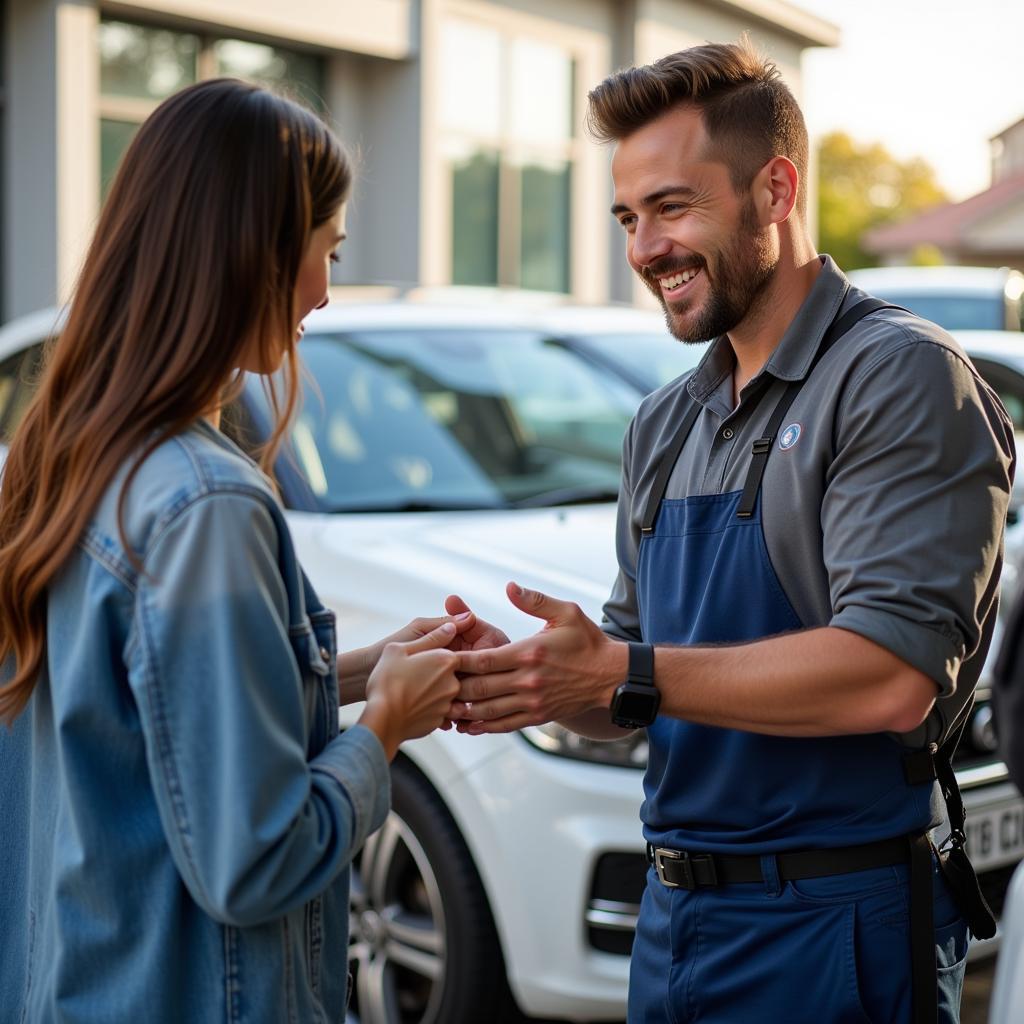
(452, 448)
(957, 298)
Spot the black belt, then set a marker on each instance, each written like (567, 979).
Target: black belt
(681, 869)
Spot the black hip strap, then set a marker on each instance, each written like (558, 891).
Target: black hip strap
(923, 976)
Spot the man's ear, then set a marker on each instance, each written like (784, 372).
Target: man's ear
(774, 190)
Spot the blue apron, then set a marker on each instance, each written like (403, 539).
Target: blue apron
(763, 951)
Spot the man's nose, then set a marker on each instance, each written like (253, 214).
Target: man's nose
(649, 244)
(323, 302)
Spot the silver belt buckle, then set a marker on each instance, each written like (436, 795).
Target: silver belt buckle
(662, 855)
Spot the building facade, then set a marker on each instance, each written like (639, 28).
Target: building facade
(465, 116)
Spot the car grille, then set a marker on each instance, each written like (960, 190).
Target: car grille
(618, 884)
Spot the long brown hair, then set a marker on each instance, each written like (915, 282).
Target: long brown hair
(749, 113)
(195, 257)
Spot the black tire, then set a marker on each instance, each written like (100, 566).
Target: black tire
(422, 946)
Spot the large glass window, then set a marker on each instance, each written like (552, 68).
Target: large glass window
(145, 63)
(299, 74)
(475, 174)
(140, 65)
(544, 225)
(507, 118)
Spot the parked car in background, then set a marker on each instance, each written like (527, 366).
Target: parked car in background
(452, 447)
(957, 298)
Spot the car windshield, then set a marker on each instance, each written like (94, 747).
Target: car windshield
(410, 420)
(955, 312)
(654, 358)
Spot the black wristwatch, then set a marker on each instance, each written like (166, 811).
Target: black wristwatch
(636, 701)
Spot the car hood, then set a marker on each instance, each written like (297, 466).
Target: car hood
(378, 571)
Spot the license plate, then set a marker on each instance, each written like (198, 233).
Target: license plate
(995, 835)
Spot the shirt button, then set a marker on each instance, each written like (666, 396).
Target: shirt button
(325, 654)
(727, 433)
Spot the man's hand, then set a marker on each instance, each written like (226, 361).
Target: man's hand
(569, 667)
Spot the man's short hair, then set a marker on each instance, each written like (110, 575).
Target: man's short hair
(748, 111)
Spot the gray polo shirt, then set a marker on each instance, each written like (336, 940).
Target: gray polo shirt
(885, 517)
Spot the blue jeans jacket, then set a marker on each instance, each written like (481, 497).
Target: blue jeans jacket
(177, 809)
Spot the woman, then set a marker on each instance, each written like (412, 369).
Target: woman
(179, 809)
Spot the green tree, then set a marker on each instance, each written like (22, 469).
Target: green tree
(861, 186)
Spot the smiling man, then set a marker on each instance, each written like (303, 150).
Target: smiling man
(809, 541)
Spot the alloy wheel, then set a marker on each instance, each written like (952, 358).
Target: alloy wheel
(396, 930)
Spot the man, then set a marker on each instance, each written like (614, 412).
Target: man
(809, 535)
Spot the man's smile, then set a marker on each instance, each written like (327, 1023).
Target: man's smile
(677, 284)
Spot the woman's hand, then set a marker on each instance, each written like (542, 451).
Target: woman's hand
(411, 689)
(471, 634)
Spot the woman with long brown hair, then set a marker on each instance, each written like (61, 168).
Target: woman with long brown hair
(178, 808)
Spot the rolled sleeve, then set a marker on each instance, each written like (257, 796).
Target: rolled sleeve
(915, 505)
(257, 827)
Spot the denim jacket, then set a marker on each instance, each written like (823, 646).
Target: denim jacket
(177, 809)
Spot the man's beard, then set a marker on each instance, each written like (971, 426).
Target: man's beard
(741, 273)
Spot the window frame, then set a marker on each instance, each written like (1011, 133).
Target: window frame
(514, 153)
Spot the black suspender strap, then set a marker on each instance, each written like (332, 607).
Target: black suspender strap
(666, 466)
(763, 445)
(760, 451)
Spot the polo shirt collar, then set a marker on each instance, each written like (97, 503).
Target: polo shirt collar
(794, 354)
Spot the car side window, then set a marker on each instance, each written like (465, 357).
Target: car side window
(19, 377)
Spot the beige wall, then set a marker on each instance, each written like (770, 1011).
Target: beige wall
(51, 172)
(1008, 159)
(376, 109)
(1001, 232)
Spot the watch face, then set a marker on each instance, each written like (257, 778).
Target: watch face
(635, 704)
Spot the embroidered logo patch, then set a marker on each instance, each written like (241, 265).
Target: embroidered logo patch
(789, 437)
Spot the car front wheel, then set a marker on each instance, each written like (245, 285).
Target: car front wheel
(422, 943)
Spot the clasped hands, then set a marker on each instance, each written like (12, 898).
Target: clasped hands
(568, 668)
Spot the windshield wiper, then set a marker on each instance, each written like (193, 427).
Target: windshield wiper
(582, 495)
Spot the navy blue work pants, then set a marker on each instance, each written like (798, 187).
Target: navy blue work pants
(816, 951)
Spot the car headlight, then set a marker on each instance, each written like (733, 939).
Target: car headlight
(629, 752)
